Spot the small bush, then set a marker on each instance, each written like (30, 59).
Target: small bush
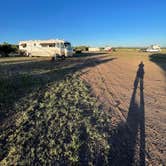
(158, 57)
(8, 48)
(78, 51)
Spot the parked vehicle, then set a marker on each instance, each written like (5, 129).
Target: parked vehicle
(153, 48)
(94, 49)
(48, 48)
(109, 49)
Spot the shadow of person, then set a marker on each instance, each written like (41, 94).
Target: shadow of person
(135, 118)
(128, 144)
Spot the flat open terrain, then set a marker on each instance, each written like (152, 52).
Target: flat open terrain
(139, 104)
(94, 108)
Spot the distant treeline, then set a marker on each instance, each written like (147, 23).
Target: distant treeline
(81, 48)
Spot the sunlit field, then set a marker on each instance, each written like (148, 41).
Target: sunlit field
(54, 112)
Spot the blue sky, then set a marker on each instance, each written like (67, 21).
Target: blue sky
(85, 22)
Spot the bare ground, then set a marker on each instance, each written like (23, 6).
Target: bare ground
(137, 106)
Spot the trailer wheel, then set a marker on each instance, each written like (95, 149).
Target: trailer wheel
(54, 57)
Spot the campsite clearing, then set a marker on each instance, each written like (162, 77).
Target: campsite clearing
(131, 130)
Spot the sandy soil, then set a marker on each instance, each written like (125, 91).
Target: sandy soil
(137, 104)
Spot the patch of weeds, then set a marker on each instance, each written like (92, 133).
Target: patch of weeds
(63, 127)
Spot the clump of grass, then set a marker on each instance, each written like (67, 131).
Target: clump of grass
(64, 126)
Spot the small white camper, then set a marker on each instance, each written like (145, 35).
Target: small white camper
(94, 49)
(153, 48)
(107, 48)
(49, 48)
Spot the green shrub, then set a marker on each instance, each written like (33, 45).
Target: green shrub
(78, 51)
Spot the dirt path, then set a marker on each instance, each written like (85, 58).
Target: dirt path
(137, 104)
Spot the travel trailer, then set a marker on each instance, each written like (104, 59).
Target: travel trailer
(108, 49)
(48, 48)
(153, 48)
(93, 49)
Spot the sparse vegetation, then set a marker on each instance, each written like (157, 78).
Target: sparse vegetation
(158, 57)
(62, 125)
(49, 117)
(79, 49)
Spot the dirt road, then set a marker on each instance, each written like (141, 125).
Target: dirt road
(136, 97)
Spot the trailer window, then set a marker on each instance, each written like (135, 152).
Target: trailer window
(62, 45)
(67, 45)
(58, 45)
(44, 45)
(24, 45)
(52, 45)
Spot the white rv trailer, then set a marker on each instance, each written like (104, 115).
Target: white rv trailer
(49, 48)
(153, 48)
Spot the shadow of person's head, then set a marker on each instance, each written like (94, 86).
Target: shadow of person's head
(140, 71)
